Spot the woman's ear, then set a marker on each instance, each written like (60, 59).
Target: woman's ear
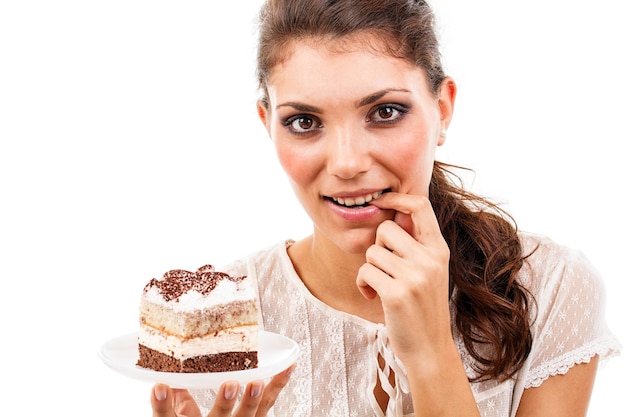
(447, 95)
(263, 112)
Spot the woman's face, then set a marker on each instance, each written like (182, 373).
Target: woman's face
(348, 126)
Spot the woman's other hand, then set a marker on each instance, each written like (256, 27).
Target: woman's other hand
(256, 401)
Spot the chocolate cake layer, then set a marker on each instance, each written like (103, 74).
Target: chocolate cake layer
(221, 362)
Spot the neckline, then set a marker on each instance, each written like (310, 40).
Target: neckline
(294, 278)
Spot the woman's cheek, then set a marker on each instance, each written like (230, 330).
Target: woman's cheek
(297, 161)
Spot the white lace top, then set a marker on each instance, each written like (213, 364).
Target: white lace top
(338, 367)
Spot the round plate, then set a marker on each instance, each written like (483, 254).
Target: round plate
(276, 353)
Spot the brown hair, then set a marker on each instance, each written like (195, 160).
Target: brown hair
(491, 309)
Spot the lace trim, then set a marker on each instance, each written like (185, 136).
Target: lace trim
(606, 348)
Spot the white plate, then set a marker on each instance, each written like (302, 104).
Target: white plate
(276, 353)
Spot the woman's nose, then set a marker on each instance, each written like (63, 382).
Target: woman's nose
(348, 153)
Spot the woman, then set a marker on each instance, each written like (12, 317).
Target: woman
(412, 296)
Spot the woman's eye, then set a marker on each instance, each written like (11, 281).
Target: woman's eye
(302, 124)
(387, 113)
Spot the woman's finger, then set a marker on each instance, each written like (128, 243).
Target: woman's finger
(414, 214)
(390, 256)
(184, 403)
(161, 401)
(250, 400)
(225, 400)
(394, 239)
(370, 280)
(273, 390)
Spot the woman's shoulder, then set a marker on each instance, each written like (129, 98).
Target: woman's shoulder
(552, 267)
(542, 245)
(546, 257)
(569, 300)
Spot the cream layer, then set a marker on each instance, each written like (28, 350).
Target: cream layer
(236, 339)
(199, 322)
(225, 292)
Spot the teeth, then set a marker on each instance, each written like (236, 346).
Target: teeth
(357, 201)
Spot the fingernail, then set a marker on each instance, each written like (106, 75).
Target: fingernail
(230, 390)
(290, 371)
(160, 392)
(256, 390)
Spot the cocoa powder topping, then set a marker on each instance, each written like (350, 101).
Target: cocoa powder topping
(179, 281)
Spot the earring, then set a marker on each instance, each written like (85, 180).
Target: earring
(443, 133)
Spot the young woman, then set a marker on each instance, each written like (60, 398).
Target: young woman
(411, 296)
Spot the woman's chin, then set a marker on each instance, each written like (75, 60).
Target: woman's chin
(356, 242)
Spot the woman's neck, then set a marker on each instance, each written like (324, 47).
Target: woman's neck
(330, 274)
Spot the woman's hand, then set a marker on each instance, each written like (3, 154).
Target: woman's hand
(257, 399)
(408, 268)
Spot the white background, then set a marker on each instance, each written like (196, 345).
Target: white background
(129, 145)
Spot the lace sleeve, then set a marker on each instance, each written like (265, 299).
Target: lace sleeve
(570, 325)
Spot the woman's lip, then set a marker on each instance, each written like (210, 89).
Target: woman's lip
(359, 200)
(359, 193)
(354, 214)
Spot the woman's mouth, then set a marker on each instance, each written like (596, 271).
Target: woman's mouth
(359, 201)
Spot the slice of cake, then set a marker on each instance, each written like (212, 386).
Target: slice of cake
(203, 321)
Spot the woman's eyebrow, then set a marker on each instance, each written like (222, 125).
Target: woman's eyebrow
(300, 107)
(378, 95)
(363, 102)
